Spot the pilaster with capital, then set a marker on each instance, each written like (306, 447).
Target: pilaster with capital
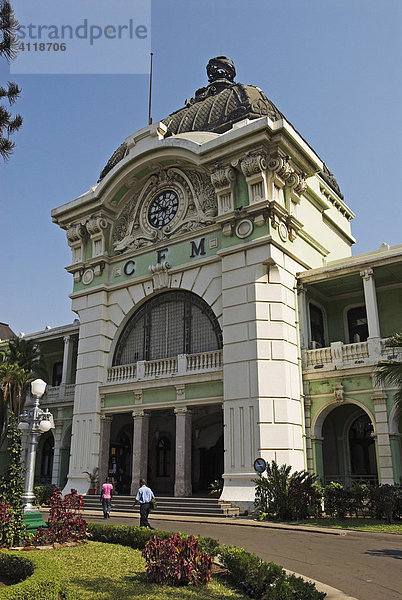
(384, 454)
(98, 228)
(223, 178)
(182, 485)
(140, 448)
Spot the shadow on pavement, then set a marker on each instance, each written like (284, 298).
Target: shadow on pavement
(385, 552)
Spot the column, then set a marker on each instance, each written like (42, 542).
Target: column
(385, 470)
(303, 314)
(57, 435)
(370, 299)
(104, 449)
(182, 485)
(395, 440)
(67, 359)
(140, 448)
(309, 446)
(317, 443)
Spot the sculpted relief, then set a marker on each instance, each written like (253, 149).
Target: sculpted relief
(171, 201)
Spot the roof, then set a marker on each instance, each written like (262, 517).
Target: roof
(6, 332)
(216, 108)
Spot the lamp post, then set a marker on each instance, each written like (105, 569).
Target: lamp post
(34, 422)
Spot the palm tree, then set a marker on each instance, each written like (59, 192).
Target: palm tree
(20, 363)
(8, 49)
(390, 371)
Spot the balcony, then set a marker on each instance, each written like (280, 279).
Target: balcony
(184, 364)
(341, 356)
(55, 394)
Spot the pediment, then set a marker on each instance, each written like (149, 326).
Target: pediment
(193, 206)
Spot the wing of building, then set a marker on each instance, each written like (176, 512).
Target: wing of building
(221, 315)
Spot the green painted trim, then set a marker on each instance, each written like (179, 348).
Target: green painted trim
(119, 399)
(167, 394)
(204, 390)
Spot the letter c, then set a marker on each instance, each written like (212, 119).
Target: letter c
(129, 267)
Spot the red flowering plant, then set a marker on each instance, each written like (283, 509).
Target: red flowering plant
(65, 522)
(177, 561)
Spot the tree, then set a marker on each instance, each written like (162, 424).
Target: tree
(20, 364)
(12, 487)
(390, 371)
(8, 48)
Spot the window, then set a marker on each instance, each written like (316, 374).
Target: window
(357, 324)
(172, 323)
(317, 326)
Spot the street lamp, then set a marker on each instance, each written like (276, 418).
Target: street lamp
(34, 422)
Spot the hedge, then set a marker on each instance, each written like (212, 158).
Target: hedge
(137, 537)
(248, 572)
(30, 577)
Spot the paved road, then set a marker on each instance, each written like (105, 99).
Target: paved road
(363, 565)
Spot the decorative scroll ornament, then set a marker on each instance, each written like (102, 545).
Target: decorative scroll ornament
(280, 165)
(223, 176)
(160, 275)
(96, 224)
(301, 186)
(75, 233)
(197, 206)
(253, 164)
(339, 393)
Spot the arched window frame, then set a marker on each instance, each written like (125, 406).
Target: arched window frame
(144, 312)
(346, 311)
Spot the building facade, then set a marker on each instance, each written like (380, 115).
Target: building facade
(221, 314)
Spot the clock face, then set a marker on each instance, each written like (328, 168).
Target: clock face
(163, 208)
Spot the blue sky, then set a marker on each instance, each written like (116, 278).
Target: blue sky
(333, 67)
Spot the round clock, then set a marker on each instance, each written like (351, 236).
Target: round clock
(163, 208)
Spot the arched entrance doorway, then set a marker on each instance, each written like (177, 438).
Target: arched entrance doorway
(120, 461)
(348, 446)
(44, 462)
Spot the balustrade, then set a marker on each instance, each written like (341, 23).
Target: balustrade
(344, 355)
(165, 367)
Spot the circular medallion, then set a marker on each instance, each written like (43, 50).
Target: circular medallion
(163, 209)
(88, 276)
(283, 231)
(244, 228)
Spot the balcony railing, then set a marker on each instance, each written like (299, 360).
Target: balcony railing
(166, 367)
(340, 355)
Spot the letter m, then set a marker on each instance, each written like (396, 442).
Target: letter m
(197, 250)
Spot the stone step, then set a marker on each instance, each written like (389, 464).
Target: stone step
(168, 505)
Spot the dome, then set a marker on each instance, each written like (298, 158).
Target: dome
(221, 103)
(216, 108)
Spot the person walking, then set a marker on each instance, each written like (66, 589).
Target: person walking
(106, 498)
(144, 497)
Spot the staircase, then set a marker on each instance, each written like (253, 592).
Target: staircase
(169, 506)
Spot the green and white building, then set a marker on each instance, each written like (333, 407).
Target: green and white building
(221, 314)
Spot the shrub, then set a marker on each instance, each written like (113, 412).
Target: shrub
(65, 521)
(30, 578)
(284, 496)
(137, 537)
(293, 588)
(383, 501)
(177, 561)
(336, 500)
(43, 492)
(248, 571)
(358, 496)
(265, 581)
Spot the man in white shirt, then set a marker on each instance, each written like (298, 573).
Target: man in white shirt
(144, 497)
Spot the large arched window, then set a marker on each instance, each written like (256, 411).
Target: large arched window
(172, 323)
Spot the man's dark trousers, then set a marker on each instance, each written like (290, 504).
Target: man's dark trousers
(145, 508)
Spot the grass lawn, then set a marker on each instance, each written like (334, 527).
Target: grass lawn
(353, 523)
(107, 571)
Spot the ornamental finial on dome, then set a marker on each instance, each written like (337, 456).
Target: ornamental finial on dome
(221, 67)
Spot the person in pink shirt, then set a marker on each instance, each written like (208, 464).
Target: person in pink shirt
(106, 498)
